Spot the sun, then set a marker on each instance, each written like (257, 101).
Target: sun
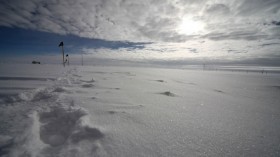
(190, 27)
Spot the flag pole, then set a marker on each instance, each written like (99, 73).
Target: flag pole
(62, 54)
(82, 60)
(67, 59)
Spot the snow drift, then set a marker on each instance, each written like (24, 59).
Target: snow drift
(124, 111)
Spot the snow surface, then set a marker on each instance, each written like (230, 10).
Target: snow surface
(51, 110)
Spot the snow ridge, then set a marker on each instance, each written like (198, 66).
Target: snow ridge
(55, 125)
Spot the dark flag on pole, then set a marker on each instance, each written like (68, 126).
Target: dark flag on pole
(61, 44)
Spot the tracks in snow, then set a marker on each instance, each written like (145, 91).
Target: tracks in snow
(55, 124)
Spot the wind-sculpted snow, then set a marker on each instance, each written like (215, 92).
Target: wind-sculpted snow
(129, 111)
(58, 124)
(51, 123)
(63, 127)
(26, 78)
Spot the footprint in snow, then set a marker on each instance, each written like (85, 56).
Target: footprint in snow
(160, 80)
(114, 112)
(219, 91)
(167, 93)
(61, 126)
(87, 85)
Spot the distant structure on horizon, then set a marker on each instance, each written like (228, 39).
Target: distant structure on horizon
(67, 60)
(62, 49)
(35, 62)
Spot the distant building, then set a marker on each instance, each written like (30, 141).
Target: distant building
(35, 62)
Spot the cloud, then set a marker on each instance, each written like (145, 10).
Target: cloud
(236, 35)
(147, 20)
(269, 44)
(237, 51)
(192, 50)
(217, 9)
(277, 23)
(258, 7)
(146, 26)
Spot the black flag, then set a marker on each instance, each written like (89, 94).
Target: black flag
(61, 44)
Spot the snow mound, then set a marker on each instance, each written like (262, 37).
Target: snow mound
(86, 133)
(33, 95)
(9, 98)
(90, 81)
(41, 95)
(60, 126)
(61, 90)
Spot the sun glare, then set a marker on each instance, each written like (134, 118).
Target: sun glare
(190, 27)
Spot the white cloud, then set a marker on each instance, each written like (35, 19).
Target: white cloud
(223, 21)
(146, 20)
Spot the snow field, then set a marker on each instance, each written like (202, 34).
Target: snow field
(124, 111)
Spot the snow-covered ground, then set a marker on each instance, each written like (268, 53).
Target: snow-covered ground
(51, 110)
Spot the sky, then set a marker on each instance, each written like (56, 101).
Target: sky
(163, 31)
